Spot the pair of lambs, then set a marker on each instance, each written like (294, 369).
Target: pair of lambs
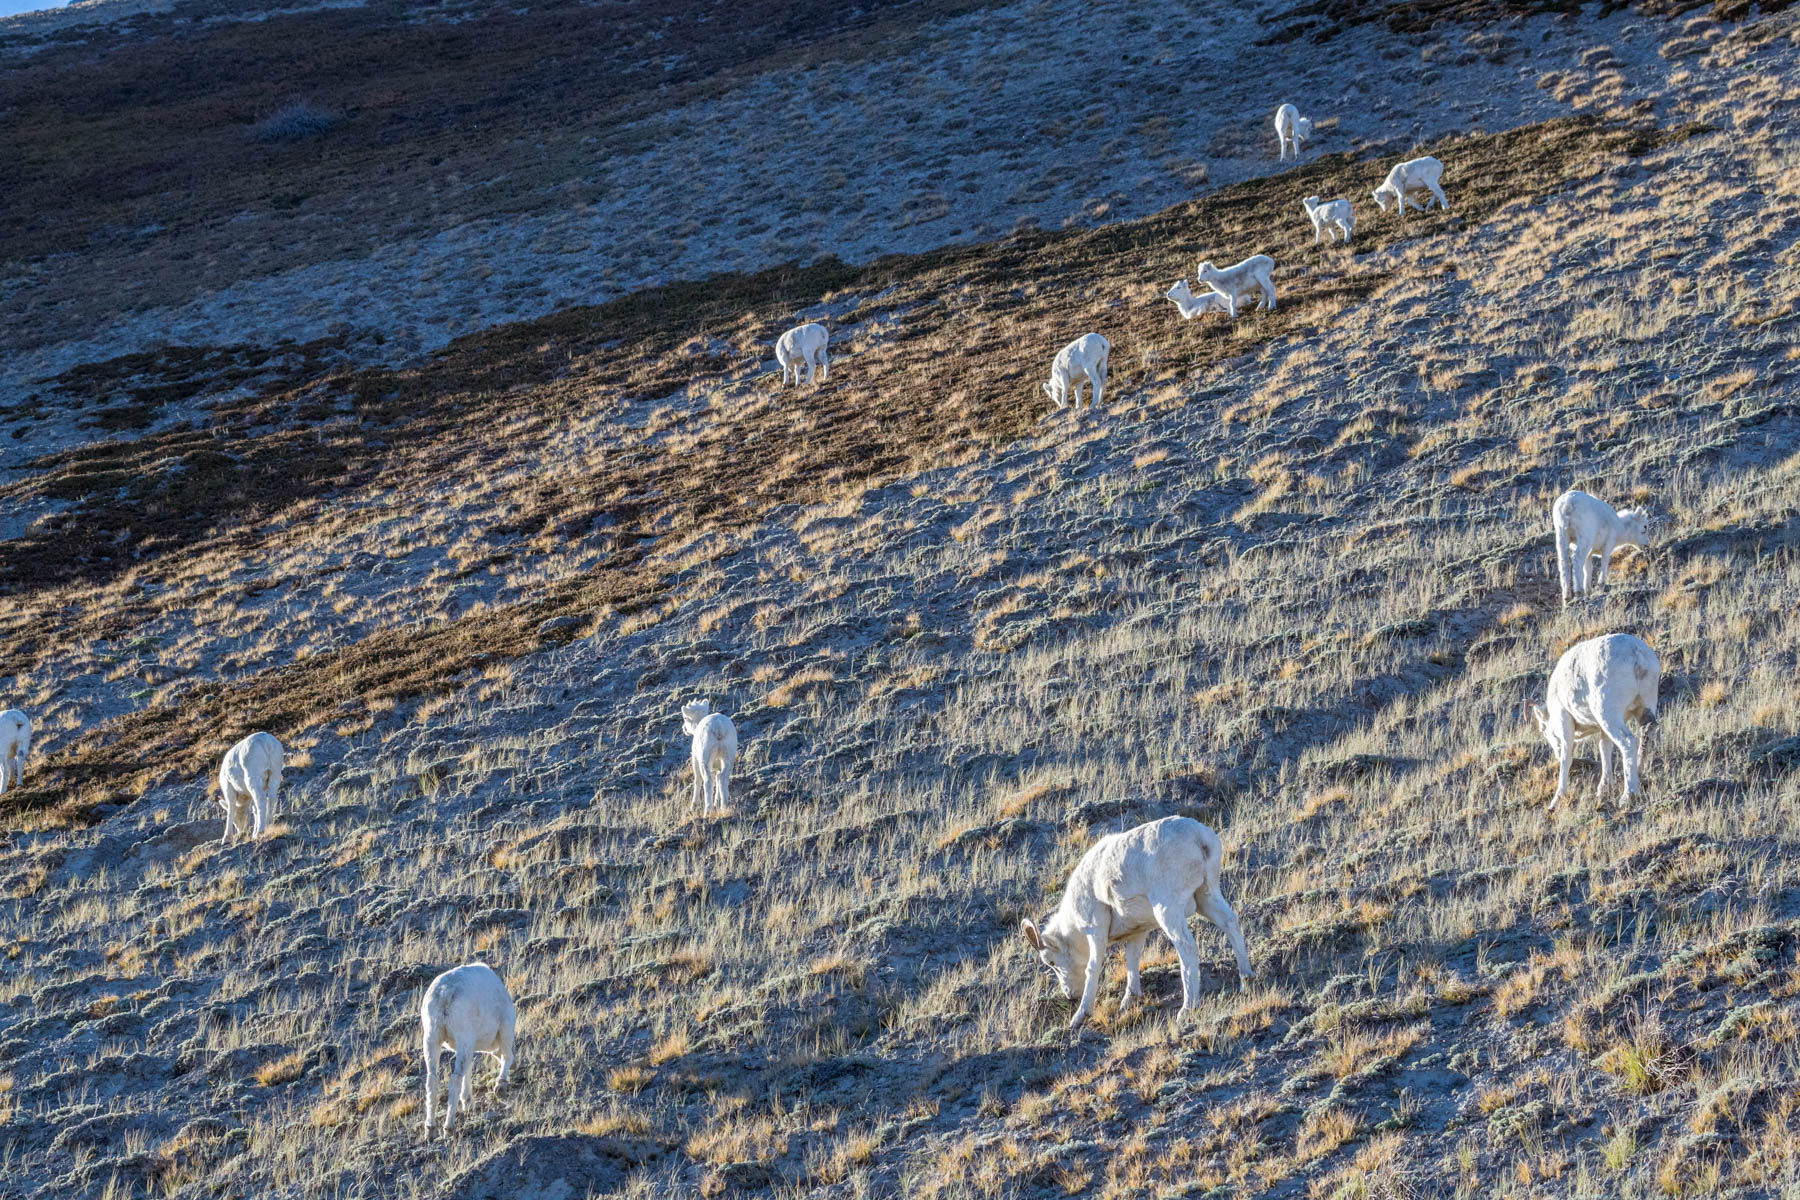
(1252, 279)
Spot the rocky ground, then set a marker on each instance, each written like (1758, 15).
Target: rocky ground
(1293, 578)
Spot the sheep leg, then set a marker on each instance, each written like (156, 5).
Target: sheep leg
(1565, 750)
(1214, 908)
(824, 365)
(1437, 193)
(459, 1079)
(699, 784)
(1134, 985)
(1605, 785)
(507, 1036)
(1173, 922)
(431, 1081)
(1268, 293)
(1097, 377)
(724, 787)
(1090, 987)
(1619, 732)
(1605, 549)
(1584, 562)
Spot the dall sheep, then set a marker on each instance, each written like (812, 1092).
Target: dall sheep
(467, 1010)
(15, 744)
(1291, 129)
(1413, 175)
(1251, 279)
(713, 754)
(1331, 219)
(1192, 306)
(249, 781)
(1587, 526)
(1086, 356)
(1598, 686)
(1152, 877)
(803, 345)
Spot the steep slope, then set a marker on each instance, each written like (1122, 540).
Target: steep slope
(1294, 580)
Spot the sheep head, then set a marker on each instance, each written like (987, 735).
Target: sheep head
(692, 713)
(1310, 203)
(1381, 195)
(1547, 727)
(1057, 951)
(1635, 526)
(1302, 129)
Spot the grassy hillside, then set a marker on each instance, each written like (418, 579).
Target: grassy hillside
(1294, 579)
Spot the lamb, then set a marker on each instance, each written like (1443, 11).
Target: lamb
(1291, 129)
(1153, 876)
(249, 780)
(803, 344)
(1597, 685)
(466, 1009)
(1414, 175)
(713, 755)
(1587, 526)
(1192, 306)
(1247, 280)
(1335, 218)
(15, 745)
(1085, 356)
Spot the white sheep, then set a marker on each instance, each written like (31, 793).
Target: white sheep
(1586, 527)
(1414, 175)
(468, 1010)
(1152, 877)
(1597, 686)
(1086, 356)
(1192, 306)
(803, 345)
(713, 754)
(249, 781)
(1291, 129)
(1333, 219)
(1251, 279)
(15, 744)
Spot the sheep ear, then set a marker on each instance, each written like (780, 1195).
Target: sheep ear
(1031, 934)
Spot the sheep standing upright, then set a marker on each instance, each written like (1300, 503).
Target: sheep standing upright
(1597, 688)
(1252, 279)
(1334, 219)
(803, 345)
(1085, 357)
(15, 745)
(1588, 527)
(249, 781)
(1192, 306)
(1413, 175)
(467, 1010)
(713, 754)
(1291, 129)
(1152, 877)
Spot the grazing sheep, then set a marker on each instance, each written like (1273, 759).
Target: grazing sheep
(1291, 129)
(249, 780)
(1587, 526)
(466, 1009)
(1335, 218)
(15, 744)
(1152, 877)
(1597, 685)
(1248, 280)
(1414, 175)
(1085, 356)
(803, 344)
(1192, 306)
(714, 753)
